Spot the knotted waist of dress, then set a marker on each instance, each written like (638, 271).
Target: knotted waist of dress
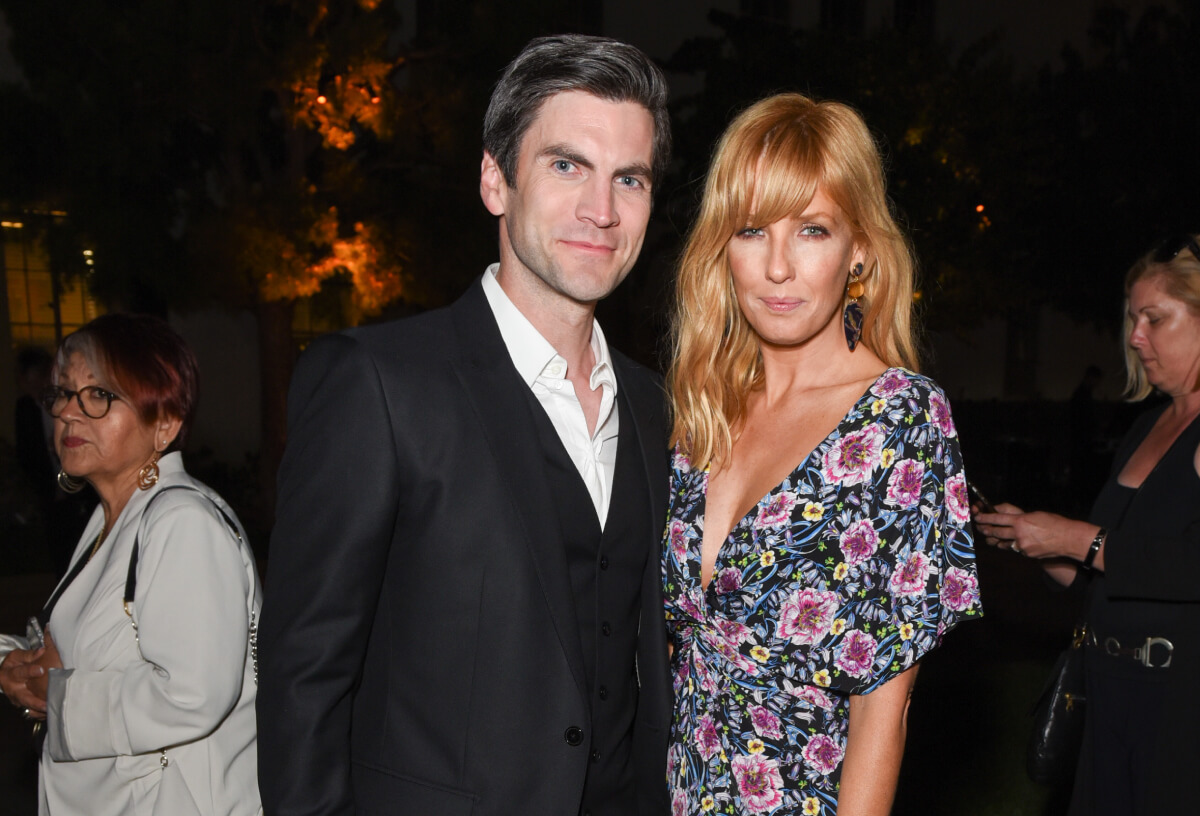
(725, 662)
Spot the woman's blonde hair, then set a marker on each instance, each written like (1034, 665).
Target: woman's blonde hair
(772, 158)
(1180, 276)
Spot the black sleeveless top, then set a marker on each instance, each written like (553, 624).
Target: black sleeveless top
(1172, 485)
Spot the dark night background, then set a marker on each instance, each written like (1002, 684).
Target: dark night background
(304, 165)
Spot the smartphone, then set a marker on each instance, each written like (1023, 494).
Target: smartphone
(33, 633)
(978, 499)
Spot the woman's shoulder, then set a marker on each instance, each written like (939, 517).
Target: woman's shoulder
(177, 492)
(908, 388)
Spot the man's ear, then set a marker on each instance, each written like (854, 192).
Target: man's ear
(493, 189)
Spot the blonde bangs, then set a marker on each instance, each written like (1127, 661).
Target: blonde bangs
(768, 165)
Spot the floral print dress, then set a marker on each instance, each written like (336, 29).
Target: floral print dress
(840, 578)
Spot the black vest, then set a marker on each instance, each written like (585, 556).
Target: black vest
(606, 571)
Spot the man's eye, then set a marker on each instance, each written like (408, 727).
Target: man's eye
(630, 181)
(562, 165)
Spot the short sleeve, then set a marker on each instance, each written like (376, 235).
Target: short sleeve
(900, 551)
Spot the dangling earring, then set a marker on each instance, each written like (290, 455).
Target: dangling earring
(148, 475)
(852, 318)
(68, 483)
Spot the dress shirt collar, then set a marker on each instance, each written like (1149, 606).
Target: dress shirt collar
(531, 353)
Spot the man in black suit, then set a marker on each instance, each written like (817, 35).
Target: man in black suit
(463, 610)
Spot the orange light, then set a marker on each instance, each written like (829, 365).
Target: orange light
(321, 100)
(979, 208)
(374, 100)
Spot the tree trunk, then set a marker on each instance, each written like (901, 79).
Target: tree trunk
(277, 355)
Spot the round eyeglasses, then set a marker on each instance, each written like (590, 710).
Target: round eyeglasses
(93, 400)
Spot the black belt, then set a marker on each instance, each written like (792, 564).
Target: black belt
(1143, 653)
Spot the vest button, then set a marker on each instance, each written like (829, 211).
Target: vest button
(573, 736)
(595, 755)
(602, 692)
(605, 629)
(604, 562)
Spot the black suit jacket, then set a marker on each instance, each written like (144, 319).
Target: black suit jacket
(419, 647)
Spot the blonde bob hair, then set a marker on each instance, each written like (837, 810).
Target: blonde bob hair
(1180, 277)
(768, 166)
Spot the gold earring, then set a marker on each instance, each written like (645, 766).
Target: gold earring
(68, 483)
(148, 475)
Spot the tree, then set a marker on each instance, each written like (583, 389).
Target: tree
(229, 142)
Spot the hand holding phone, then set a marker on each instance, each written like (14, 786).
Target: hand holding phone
(978, 499)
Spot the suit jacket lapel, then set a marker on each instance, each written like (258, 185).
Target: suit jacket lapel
(648, 410)
(494, 389)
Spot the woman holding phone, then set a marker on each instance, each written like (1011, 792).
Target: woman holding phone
(1139, 554)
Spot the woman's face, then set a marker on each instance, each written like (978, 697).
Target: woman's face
(790, 276)
(109, 451)
(1165, 336)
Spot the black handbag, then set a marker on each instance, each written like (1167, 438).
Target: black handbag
(1058, 718)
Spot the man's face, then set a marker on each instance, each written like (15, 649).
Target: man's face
(574, 223)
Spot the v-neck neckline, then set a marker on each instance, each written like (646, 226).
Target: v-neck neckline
(741, 520)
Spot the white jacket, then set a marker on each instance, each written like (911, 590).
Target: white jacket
(162, 725)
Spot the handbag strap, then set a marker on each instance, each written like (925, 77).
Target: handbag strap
(131, 576)
(43, 617)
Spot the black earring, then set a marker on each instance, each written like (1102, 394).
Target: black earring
(852, 317)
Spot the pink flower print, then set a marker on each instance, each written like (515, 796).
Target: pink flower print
(891, 383)
(859, 542)
(765, 723)
(680, 462)
(727, 647)
(758, 781)
(733, 632)
(910, 575)
(815, 696)
(728, 580)
(857, 653)
(679, 802)
(689, 606)
(806, 615)
(777, 511)
(939, 412)
(957, 500)
(677, 538)
(823, 754)
(904, 485)
(853, 457)
(960, 590)
(707, 741)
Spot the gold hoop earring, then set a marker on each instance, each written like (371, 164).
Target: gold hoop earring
(68, 483)
(148, 475)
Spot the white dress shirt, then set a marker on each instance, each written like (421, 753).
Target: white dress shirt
(545, 372)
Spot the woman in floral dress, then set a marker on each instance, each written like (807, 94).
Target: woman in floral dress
(818, 541)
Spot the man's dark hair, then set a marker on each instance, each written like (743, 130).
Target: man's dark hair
(608, 69)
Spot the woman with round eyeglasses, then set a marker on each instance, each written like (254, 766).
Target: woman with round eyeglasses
(1139, 553)
(140, 669)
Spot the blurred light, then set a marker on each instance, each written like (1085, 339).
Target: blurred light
(374, 100)
(979, 208)
(321, 100)
(917, 294)
(87, 253)
(12, 224)
(89, 262)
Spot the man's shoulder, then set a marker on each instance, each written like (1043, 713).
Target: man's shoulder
(420, 336)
